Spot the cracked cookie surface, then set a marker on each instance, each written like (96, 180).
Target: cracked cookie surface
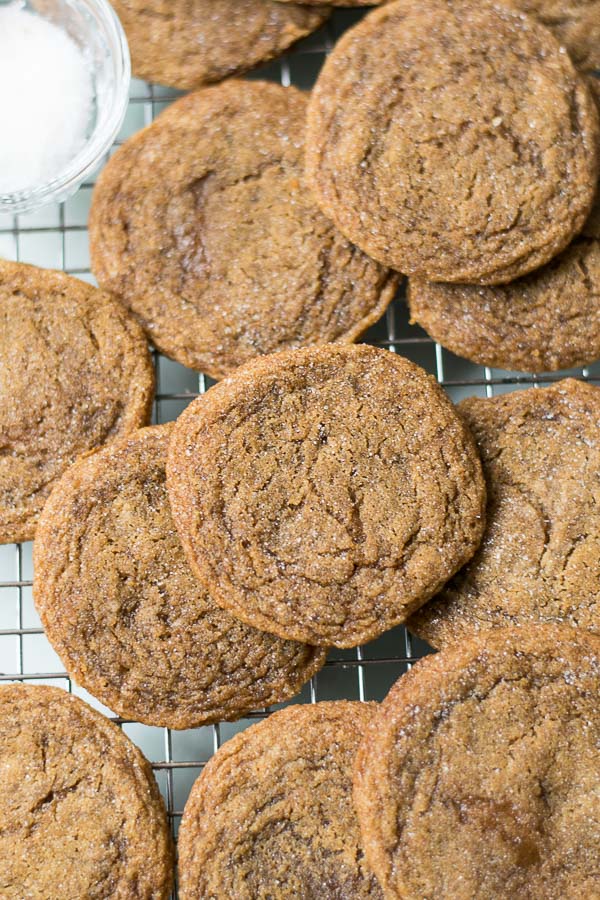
(539, 560)
(189, 43)
(203, 226)
(271, 816)
(82, 816)
(123, 611)
(471, 156)
(75, 372)
(325, 493)
(478, 776)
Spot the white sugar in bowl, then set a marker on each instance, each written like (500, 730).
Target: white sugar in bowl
(64, 85)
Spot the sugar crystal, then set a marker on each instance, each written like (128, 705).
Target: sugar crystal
(46, 99)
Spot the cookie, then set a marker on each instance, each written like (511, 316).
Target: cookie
(81, 813)
(479, 776)
(202, 225)
(189, 43)
(75, 372)
(432, 182)
(123, 611)
(323, 494)
(576, 24)
(539, 560)
(271, 815)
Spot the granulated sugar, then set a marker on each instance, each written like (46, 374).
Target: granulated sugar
(45, 99)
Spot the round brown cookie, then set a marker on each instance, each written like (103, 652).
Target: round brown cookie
(189, 43)
(75, 372)
(471, 156)
(324, 494)
(203, 226)
(271, 816)
(576, 24)
(81, 813)
(123, 611)
(479, 775)
(540, 556)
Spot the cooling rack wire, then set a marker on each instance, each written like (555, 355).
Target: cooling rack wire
(56, 237)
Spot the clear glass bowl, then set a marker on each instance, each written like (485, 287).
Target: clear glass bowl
(94, 26)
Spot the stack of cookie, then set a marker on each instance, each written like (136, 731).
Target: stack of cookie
(469, 162)
(321, 493)
(316, 498)
(191, 43)
(542, 322)
(473, 170)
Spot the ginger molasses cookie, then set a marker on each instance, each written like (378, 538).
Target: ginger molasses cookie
(203, 226)
(539, 560)
(323, 494)
(75, 372)
(576, 24)
(470, 156)
(81, 813)
(479, 775)
(189, 43)
(272, 816)
(126, 616)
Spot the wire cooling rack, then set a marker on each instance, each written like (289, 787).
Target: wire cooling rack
(56, 237)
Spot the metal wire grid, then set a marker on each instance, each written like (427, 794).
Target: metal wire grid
(57, 237)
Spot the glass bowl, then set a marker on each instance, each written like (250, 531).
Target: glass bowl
(95, 28)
